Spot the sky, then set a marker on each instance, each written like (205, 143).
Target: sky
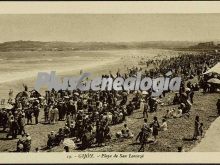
(110, 27)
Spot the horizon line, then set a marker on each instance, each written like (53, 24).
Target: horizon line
(213, 40)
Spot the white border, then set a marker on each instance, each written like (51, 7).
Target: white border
(108, 7)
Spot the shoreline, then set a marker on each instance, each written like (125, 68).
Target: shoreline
(98, 67)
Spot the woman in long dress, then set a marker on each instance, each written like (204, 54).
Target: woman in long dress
(155, 126)
(196, 128)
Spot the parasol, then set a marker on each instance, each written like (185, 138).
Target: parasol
(69, 142)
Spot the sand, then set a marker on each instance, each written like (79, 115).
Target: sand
(210, 143)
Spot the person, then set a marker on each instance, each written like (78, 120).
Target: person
(51, 114)
(56, 114)
(99, 135)
(142, 137)
(4, 120)
(27, 143)
(51, 139)
(218, 106)
(10, 121)
(21, 124)
(145, 111)
(107, 133)
(36, 110)
(59, 137)
(14, 128)
(37, 149)
(168, 114)
(28, 114)
(46, 114)
(20, 144)
(201, 130)
(180, 149)
(125, 128)
(178, 113)
(68, 119)
(72, 130)
(163, 127)
(129, 134)
(196, 128)
(10, 94)
(66, 130)
(20, 147)
(155, 125)
(66, 148)
(145, 125)
(176, 99)
(191, 95)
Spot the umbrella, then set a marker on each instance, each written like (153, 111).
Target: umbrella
(214, 81)
(69, 142)
(214, 69)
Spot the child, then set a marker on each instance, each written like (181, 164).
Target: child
(164, 125)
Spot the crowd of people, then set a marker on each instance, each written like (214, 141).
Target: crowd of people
(88, 115)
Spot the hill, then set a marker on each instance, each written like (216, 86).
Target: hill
(61, 46)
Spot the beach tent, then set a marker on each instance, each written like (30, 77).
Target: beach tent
(214, 69)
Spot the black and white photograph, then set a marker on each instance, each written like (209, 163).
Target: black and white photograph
(110, 82)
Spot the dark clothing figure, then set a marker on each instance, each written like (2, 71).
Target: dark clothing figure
(13, 129)
(176, 99)
(142, 137)
(218, 106)
(36, 114)
(155, 125)
(4, 120)
(46, 114)
(21, 124)
(196, 128)
(29, 116)
(191, 95)
(100, 135)
(145, 112)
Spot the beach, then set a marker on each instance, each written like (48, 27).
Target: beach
(18, 68)
(108, 61)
